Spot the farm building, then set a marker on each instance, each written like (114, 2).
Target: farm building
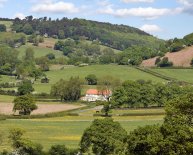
(93, 95)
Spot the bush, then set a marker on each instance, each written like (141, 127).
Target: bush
(165, 63)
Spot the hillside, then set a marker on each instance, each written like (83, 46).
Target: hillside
(181, 58)
(116, 36)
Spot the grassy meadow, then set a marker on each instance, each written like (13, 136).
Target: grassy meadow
(65, 130)
(179, 74)
(7, 24)
(38, 51)
(121, 72)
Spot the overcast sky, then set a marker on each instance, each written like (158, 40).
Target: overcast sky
(162, 18)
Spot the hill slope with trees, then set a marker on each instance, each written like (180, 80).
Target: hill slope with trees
(116, 36)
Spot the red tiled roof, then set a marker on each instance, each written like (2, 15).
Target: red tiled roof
(96, 92)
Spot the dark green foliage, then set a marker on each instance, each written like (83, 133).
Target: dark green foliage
(22, 145)
(43, 62)
(25, 104)
(174, 136)
(144, 93)
(165, 63)
(157, 61)
(27, 29)
(136, 54)
(58, 150)
(25, 88)
(145, 141)
(177, 45)
(189, 39)
(104, 137)
(108, 56)
(106, 108)
(191, 63)
(50, 56)
(2, 28)
(8, 59)
(67, 90)
(91, 79)
(61, 150)
(116, 36)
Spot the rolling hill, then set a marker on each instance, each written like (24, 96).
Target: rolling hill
(181, 58)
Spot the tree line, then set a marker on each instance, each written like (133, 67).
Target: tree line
(144, 93)
(116, 36)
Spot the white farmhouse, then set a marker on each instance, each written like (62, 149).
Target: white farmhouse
(93, 95)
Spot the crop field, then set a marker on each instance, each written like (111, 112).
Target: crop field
(179, 74)
(65, 130)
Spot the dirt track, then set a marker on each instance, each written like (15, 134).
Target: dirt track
(6, 108)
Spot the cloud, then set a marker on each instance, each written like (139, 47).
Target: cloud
(55, 7)
(146, 13)
(187, 6)
(185, 2)
(104, 3)
(135, 1)
(151, 28)
(19, 15)
(2, 2)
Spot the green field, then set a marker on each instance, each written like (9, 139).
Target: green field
(65, 130)
(38, 51)
(7, 24)
(121, 72)
(179, 74)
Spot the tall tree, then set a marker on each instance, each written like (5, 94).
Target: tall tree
(25, 104)
(104, 136)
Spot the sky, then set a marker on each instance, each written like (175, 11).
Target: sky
(165, 19)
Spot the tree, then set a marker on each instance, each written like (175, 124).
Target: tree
(104, 136)
(25, 104)
(2, 28)
(91, 79)
(27, 29)
(106, 108)
(29, 54)
(58, 150)
(191, 63)
(50, 56)
(145, 141)
(36, 73)
(174, 136)
(67, 90)
(25, 88)
(165, 63)
(22, 145)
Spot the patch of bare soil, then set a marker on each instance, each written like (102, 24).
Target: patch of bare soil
(181, 58)
(6, 108)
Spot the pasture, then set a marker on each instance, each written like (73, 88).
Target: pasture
(38, 51)
(121, 72)
(65, 130)
(179, 74)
